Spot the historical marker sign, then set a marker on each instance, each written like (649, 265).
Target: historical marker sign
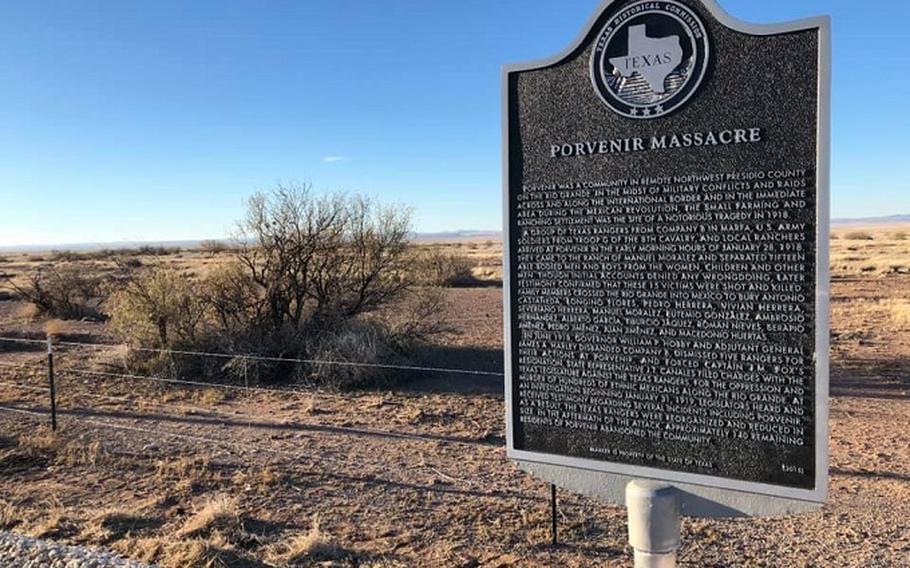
(666, 210)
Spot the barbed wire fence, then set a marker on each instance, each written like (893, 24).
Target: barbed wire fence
(54, 347)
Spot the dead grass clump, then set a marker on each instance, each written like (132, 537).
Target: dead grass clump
(899, 235)
(10, 515)
(56, 327)
(54, 523)
(188, 473)
(182, 553)
(219, 513)
(197, 552)
(27, 312)
(42, 442)
(265, 479)
(115, 524)
(859, 236)
(366, 345)
(307, 548)
(898, 311)
(80, 453)
(204, 396)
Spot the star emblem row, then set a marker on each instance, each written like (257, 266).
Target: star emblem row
(647, 111)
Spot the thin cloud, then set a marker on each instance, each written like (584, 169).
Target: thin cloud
(333, 159)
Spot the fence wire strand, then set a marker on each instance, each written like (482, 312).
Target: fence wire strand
(251, 357)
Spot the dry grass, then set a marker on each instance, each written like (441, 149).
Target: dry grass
(203, 396)
(884, 254)
(41, 442)
(859, 236)
(56, 327)
(191, 468)
(182, 553)
(114, 524)
(898, 310)
(10, 515)
(308, 548)
(81, 453)
(219, 513)
(27, 313)
(54, 522)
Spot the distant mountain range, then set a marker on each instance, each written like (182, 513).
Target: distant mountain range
(442, 236)
(887, 220)
(189, 244)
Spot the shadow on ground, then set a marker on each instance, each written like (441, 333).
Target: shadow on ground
(470, 359)
(871, 378)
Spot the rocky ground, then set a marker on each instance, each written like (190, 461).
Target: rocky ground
(25, 552)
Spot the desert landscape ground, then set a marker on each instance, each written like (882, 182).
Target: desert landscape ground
(414, 474)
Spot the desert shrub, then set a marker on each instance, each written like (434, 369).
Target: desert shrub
(859, 236)
(213, 246)
(65, 291)
(152, 250)
(437, 268)
(309, 262)
(158, 308)
(310, 279)
(898, 236)
(4, 260)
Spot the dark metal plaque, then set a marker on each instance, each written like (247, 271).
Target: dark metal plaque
(665, 195)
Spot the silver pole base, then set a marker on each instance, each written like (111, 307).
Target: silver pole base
(648, 560)
(654, 523)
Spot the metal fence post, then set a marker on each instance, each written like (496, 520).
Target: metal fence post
(50, 380)
(553, 512)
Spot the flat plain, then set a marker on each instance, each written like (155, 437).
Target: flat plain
(414, 474)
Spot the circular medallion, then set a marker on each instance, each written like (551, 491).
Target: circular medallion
(649, 58)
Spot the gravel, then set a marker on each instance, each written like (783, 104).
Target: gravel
(25, 552)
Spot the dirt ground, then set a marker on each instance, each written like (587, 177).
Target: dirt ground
(417, 475)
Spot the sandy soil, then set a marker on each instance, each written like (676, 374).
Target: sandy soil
(417, 476)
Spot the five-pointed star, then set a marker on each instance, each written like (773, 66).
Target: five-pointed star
(659, 109)
(634, 112)
(646, 112)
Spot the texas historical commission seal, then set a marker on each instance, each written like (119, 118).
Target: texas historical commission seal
(649, 58)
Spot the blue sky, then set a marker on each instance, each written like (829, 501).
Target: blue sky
(128, 120)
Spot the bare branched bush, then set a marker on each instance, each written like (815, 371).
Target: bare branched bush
(859, 236)
(314, 259)
(308, 280)
(65, 291)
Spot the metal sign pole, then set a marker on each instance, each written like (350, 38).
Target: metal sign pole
(654, 523)
(50, 380)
